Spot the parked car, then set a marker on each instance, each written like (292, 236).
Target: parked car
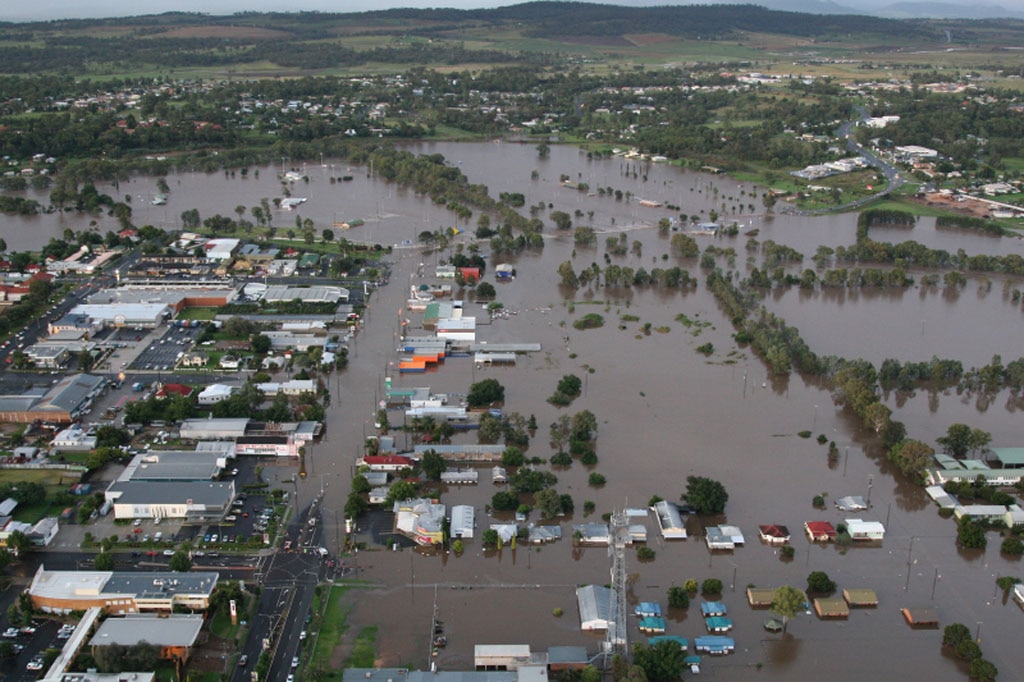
(243, 660)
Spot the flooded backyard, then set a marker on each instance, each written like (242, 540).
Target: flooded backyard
(665, 411)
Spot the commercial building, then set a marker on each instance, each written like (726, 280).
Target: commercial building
(463, 521)
(420, 519)
(194, 501)
(316, 294)
(174, 465)
(61, 403)
(595, 603)
(175, 634)
(118, 592)
(146, 315)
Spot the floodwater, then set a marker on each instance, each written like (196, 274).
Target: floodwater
(665, 411)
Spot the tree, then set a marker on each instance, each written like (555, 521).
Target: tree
(561, 219)
(111, 436)
(663, 662)
(104, 561)
(583, 426)
(504, 500)
(18, 543)
(260, 343)
(818, 581)
(678, 598)
(983, 670)
(954, 634)
(485, 290)
(489, 538)
(433, 465)
(969, 534)
(355, 505)
(706, 495)
(401, 490)
(361, 485)
(711, 586)
(180, 562)
(787, 602)
(961, 439)
(6, 557)
(911, 456)
(512, 457)
(484, 393)
(549, 503)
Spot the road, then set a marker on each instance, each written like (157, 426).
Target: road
(289, 583)
(893, 178)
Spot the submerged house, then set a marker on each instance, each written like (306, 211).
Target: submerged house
(723, 537)
(865, 530)
(820, 531)
(669, 520)
(773, 534)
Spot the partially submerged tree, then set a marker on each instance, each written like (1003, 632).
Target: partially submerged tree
(787, 602)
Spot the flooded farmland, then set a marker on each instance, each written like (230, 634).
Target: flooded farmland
(665, 411)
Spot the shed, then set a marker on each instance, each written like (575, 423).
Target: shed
(594, 602)
(760, 597)
(718, 624)
(941, 497)
(923, 617)
(500, 656)
(463, 521)
(1018, 594)
(713, 608)
(831, 607)
(499, 476)
(567, 658)
(647, 609)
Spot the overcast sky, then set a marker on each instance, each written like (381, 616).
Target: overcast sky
(12, 10)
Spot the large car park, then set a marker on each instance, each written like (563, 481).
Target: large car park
(163, 353)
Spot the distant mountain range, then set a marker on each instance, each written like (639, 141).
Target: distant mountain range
(877, 8)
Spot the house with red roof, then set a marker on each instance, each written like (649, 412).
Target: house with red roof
(167, 390)
(386, 462)
(773, 534)
(820, 531)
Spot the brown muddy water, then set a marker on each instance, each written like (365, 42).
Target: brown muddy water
(665, 412)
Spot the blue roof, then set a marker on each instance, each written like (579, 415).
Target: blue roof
(715, 642)
(652, 624)
(718, 623)
(681, 641)
(648, 608)
(713, 608)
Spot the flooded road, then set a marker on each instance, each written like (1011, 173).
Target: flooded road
(665, 411)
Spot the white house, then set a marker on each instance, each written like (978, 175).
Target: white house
(214, 393)
(865, 530)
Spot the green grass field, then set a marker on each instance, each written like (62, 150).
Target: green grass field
(332, 628)
(197, 314)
